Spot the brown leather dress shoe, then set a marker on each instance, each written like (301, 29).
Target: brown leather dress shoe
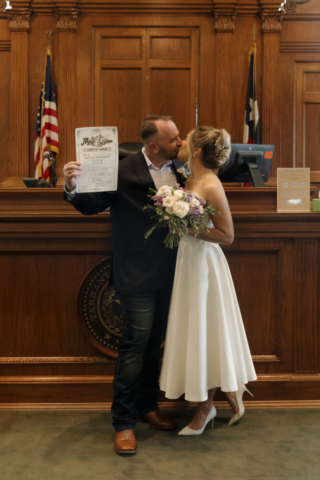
(125, 442)
(158, 421)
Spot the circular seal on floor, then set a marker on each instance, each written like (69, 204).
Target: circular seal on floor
(100, 310)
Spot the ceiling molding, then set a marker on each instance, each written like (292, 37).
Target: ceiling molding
(158, 7)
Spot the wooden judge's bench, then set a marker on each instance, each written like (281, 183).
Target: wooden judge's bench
(47, 248)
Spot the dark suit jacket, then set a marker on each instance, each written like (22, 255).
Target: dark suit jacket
(139, 265)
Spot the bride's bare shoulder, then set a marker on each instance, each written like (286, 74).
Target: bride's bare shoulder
(213, 186)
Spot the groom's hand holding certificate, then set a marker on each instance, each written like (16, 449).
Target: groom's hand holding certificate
(96, 168)
(71, 171)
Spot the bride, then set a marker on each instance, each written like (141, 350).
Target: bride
(206, 346)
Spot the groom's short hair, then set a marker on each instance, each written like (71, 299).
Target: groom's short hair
(149, 127)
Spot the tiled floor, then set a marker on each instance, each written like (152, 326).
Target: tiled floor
(266, 444)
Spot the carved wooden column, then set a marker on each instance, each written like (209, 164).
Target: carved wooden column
(18, 165)
(224, 28)
(271, 28)
(66, 86)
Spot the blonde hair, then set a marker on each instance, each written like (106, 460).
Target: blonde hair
(215, 144)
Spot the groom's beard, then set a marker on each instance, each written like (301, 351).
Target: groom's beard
(168, 154)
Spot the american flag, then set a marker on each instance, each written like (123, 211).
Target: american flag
(47, 138)
(251, 132)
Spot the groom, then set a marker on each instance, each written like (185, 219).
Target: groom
(143, 272)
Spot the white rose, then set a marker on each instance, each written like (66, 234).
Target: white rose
(169, 210)
(181, 209)
(201, 209)
(194, 202)
(178, 194)
(167, 202)
(164, 191)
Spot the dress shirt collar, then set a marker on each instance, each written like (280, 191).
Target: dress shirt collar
(150, 164)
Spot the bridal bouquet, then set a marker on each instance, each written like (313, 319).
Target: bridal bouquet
(179, 210)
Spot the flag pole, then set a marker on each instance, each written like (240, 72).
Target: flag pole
(48, 52)
(254, 49)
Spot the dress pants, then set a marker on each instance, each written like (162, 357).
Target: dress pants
(135, 386)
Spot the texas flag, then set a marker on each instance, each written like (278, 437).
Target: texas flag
(251, 132)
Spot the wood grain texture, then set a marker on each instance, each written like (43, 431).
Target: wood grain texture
(106, 406)
(223, 74)
(264, 270)
(296, 41)
(270, 94)
(19, 105)
(46, 249)
(307, 114)
(4, 110)
(143, 71)
(197, 67)
(306, 311)
(66, 97)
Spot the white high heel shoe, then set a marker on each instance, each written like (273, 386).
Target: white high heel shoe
(188, 431)
(239, 395)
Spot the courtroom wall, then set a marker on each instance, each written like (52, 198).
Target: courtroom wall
(189, 60)
(114, 63)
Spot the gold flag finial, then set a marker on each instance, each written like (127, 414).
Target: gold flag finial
(49, 37)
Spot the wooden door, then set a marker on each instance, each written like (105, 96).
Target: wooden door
(145, 70)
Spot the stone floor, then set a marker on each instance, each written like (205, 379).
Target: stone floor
(266, 444)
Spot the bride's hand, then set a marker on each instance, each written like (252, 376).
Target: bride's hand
(191, 231)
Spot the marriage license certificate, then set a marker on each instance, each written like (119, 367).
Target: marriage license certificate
(97, 151)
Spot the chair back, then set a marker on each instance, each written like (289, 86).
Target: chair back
(129, 148)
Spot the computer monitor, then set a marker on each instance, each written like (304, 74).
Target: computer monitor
(248, 163)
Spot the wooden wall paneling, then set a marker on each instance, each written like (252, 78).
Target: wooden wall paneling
(287, 111)
(120, 71)
(271, 28)
(43, 348)
(19, 94)
(66, 92)
(257, 275)
(307, 115)
(43, 321)
(74, 366)
(263, 274)
(224, 28)
(306, 336)
(53, 391)
(205, 57)
(5, 47)
(173, 73)
(40, 367)
(206, 62)
(142, 71)
(294, 110)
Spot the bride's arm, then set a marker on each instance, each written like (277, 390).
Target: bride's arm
(223, 231)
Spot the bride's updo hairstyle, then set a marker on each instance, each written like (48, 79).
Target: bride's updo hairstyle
(215, 144)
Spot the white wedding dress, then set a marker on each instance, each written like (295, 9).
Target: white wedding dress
(206, 344)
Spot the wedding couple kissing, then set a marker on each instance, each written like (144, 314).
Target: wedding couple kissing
(185, 294)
